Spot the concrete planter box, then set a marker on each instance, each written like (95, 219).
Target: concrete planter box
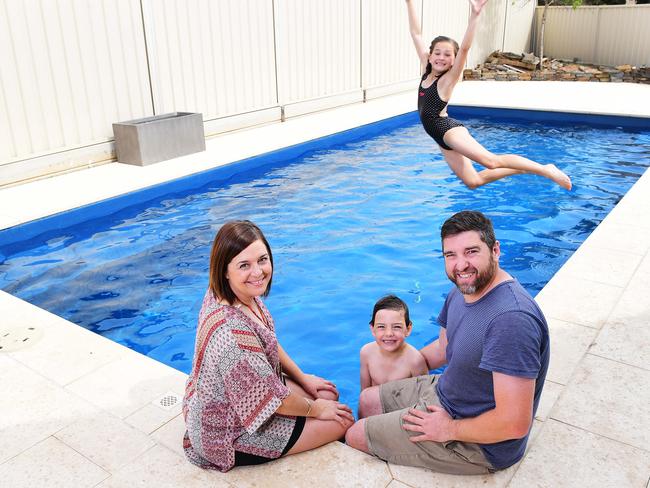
(152, 139)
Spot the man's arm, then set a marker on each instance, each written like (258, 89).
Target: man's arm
(435, 353)
(510, 419)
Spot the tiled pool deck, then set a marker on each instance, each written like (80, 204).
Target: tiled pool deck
(77, 410)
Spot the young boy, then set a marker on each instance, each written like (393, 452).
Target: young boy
(389, 357)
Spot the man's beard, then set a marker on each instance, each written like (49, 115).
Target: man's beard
(483, 279)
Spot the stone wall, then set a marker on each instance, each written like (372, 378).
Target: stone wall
(514, 67)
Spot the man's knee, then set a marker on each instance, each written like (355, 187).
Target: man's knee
(356, 436)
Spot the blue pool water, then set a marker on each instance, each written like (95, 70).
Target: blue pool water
(347, 223)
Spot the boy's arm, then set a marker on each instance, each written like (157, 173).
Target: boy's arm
(435, 353)
(364, 371)
(418, 363)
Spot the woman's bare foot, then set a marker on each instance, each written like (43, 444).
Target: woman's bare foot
(558, 176)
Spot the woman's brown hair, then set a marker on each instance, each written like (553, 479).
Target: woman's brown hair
(232, 238)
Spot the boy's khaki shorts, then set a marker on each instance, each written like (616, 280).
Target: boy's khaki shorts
(389, 441)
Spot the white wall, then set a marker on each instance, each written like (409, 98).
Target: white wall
(70, 68)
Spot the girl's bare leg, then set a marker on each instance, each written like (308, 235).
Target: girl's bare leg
(462, 142)
(465, 171)
(316, 432)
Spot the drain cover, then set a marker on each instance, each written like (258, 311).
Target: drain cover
(168, 401)
(16, 338)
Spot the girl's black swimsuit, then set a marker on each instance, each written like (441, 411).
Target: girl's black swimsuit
(429, 106)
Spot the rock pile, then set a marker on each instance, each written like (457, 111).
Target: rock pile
(521, 67)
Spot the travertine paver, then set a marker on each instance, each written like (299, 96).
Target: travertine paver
(161, 468)
(569, 343)
(608, 398)
(602, 265)
(126, 385)
(333, 465)
(33, 408)
(105, 440)
(627, 238)
(64, 355)
(578, 301)
(626, 335)
(151, 417)
(171, 434)
(51, 464)
(569, 457)
(549, 396)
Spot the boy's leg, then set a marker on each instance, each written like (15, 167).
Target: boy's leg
(394, 395)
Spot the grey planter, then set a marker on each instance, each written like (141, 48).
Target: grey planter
(153, 139)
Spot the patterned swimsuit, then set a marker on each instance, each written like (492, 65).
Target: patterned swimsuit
(429, 106)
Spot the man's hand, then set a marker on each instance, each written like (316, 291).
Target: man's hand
(434, 425)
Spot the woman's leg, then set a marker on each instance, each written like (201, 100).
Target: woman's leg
(462, 142)
(316, 432)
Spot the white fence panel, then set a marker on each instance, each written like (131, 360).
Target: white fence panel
(318, 48)
(388, 53)
(569, 33)
(628, 45)
(68, 69)
(216, 58)
(608, 35)
(518, 28)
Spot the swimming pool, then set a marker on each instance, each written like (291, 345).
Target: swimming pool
(348, 222)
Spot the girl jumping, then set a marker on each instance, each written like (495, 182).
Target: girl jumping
(442, 68)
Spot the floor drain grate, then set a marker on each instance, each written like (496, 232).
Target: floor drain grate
(168, 401)
(16, 338)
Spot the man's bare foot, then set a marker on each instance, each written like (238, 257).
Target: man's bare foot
(558, 176)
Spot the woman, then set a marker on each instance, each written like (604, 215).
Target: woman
(442, 68)
(246, 402)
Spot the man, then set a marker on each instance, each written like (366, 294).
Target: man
(475, 417)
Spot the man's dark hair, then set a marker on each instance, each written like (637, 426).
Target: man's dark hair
(467, 220)
(391, 302)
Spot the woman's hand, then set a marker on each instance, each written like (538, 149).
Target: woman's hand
(477, 6)
(332, 410)
(314, 385)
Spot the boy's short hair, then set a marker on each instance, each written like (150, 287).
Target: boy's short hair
(391, 302)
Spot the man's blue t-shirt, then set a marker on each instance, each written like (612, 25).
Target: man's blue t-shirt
(503, 332)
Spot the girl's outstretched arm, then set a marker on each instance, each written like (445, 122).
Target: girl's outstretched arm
(456, 70)
(416, 35)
